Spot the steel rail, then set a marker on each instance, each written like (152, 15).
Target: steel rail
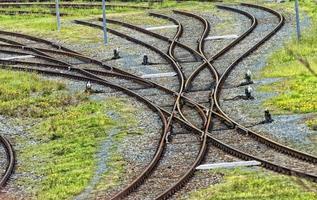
(145, 172)
(173, 43)
(253, 25)
(66, 66)
(190, 172)
(11, 161)
(226, 48)
(169, 119)
(203, 146)
(156, 35)
(194, 52)
(8, 171)
(282, 148)
(174, 64)
(170, 57)
(245, 156)
(113, 71)
(200, 48)
(87, 59)
(91, 77)
(282, 169)
(36, 39)
(72, 5)
(95, 79)
(275, 145)
(217, 143)
(170, 191)
(171, 54)
(14, 43)
(26, 12)
(262, 139)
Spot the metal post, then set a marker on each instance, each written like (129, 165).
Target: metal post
(58, 17)
(297, 20)
(104, 22)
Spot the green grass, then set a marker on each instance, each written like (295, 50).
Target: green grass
(296, 95)
(45, 26)
(186, 5)
(57, 153)
(312, 124)
(113, 177)
(66, 152)
(294, 63)
(256, 185)
(33, 97)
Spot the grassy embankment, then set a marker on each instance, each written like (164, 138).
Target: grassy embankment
(57, 154)
(294, 63)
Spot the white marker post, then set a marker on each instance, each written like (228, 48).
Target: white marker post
(297, 20)
(58, 17)
(104, 22)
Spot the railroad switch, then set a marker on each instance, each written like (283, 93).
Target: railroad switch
(171, 129)
(209, 100)
(145, 60)
(268, 116)
(116, 54)
(88, 87)
(248, 92)
(247, 77)
(182, 103)
(168, 137)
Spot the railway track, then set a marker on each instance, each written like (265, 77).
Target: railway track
(202, 131)
(11, 159)
(278, 147)
(162, 143)
(68, 5)
(285, 150)
(25, 12)
(20, 7)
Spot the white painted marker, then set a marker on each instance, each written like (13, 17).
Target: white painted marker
(229, 164)
(161, 27)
